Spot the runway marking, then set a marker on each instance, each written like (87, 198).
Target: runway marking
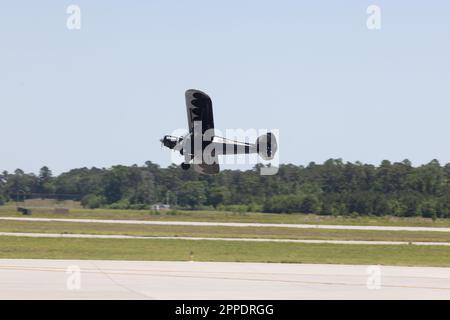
(234, 224)
(136, 271)
(95, 236)
(13, 267)
(100, 271)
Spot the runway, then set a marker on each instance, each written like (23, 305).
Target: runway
(113, 236)
(82, 279)
(234, 224)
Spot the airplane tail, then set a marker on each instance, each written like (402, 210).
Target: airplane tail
(267, 146)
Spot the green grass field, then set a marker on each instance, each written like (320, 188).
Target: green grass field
(185, 250)
(219, 216)
(224, 232)
(157, 249)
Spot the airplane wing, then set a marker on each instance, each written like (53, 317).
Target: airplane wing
(199, 112)
(204, 168)
(199, 108)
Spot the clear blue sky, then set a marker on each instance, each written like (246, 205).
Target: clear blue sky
(105, 94)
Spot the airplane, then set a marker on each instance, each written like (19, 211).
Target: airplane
(201, 146)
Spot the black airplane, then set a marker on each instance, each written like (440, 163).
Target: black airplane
(201, 146)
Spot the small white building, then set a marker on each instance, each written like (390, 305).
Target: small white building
(160, 207)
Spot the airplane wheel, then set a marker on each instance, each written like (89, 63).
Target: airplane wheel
(185, 166)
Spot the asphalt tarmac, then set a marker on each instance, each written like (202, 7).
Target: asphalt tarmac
(84, 279)
(233, 224)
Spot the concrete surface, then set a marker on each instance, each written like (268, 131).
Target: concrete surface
(58, 279)
(112, 236)
(234, 224)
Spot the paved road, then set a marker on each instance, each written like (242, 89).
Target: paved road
(234, 224)
(58, 279)
(112, 236)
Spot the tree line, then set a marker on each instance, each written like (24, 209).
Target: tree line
(331, 188)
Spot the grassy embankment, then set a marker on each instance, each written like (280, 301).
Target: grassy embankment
(153, 249)
(219, 232)
(220, 216)
(185, 250)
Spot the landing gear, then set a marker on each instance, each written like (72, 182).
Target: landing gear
(185, 166)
